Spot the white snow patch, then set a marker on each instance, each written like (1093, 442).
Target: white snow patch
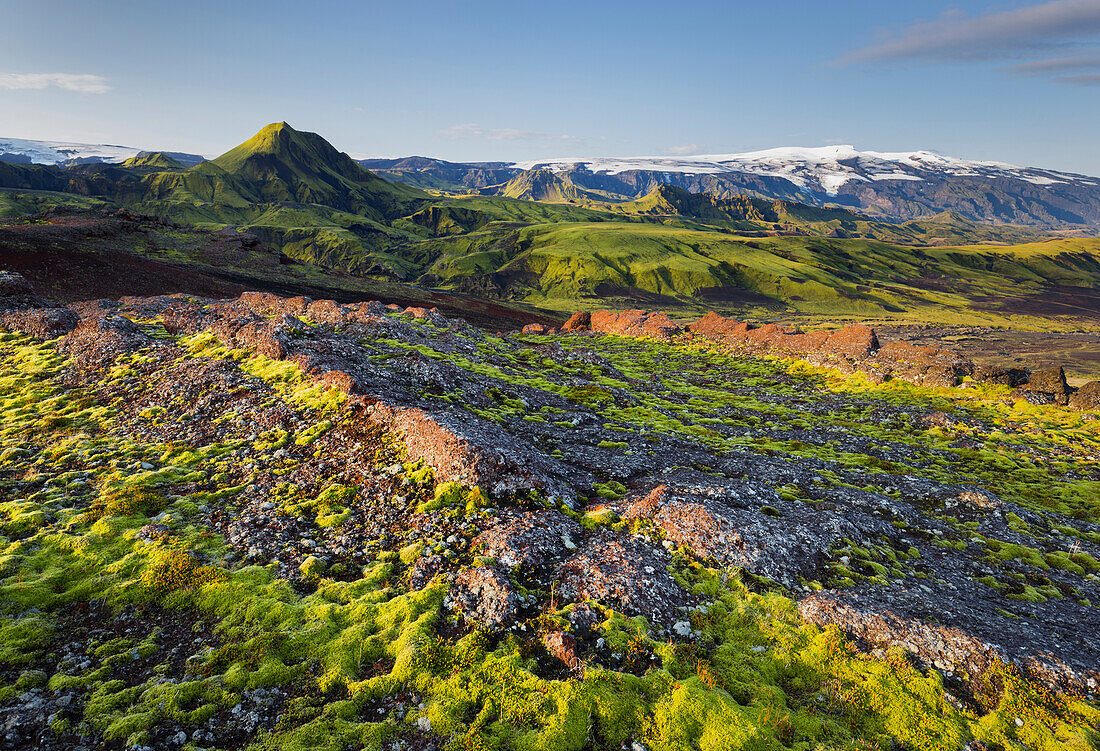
(60, 152)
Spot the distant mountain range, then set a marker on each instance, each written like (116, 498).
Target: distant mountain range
(552, 235)
(896, 186)
(63, 153)
(892, 186)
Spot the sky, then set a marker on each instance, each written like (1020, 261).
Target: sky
(1017, 82)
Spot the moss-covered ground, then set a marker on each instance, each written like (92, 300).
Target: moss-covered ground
(175, 630)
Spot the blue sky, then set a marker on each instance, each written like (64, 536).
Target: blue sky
(466, 79)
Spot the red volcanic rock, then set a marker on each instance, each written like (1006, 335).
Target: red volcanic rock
(535, 328)
(719, 328)
(530, 540)
(44, 323)
(326, 311)
(564, 647)
(624, 572)
(97, 342)
(633, 323)
(578, 322)
(928, 366)
(21, 309)
(855, 341)
(481, 454)
(485, 595)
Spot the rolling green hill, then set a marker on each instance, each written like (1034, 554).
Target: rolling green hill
(584, 264)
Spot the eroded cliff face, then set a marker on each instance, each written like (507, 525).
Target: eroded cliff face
(291, 519)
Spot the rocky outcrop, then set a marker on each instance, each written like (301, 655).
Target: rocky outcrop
(853, 347)
(22, 309)
(1047, 387)
(531, 540)
(1087, 397)
(484, 595)
(96, 342)
(478, 453)
(745, 523)
(624, 572)
(631, 323)
(854, 341)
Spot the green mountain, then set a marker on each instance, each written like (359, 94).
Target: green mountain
(543, 185)
(154, 160)
(286, 165)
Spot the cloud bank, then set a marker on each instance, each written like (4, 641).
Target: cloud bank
(84, 83)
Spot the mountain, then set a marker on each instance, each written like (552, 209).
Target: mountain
(153, 160)
(894, 186)
(22, 151)
(758, 216)
(286, 165)
(543, 185)
(424, 172)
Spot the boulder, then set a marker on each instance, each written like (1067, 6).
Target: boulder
(578, 322)
(1051, 382)
(485, 596)
(1086, 398)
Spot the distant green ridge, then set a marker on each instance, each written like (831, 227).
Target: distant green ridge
(152, 159)
(544, 185)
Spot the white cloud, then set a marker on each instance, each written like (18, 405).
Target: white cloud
(1004, 34)
(84, 83)
(684, 149)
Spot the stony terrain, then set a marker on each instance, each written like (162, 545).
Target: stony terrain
(278, 522)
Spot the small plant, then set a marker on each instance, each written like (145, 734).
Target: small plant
(129, 500)
(172, 569)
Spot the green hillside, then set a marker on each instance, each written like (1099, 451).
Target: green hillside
(583, 264)
(286, 165)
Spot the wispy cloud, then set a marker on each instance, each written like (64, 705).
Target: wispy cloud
(1089, 79)
(84, 82)
(1076, 69)
(684, 149)
(473, 131)
(957, 36)
(1054, 65)
(1039, 34)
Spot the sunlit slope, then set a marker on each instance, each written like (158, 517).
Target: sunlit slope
(559, 263)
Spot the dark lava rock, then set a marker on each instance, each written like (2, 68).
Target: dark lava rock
(485, 596)
(530, 540)
(624, 572)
